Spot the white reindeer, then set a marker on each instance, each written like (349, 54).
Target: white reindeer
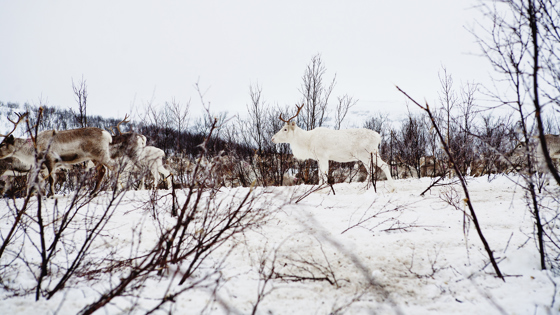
(60, 148)
(152, 159)
(324, 144)
(129, 148)
(125, 150)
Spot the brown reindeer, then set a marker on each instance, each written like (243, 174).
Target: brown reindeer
(59, 148)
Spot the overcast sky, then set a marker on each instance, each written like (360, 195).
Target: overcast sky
(131, 53)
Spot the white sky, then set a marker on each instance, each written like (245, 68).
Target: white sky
(134, 52)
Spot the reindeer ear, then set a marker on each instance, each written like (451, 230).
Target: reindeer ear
(293, 123)
(10, 139)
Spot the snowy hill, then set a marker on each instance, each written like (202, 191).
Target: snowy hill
(353, 251)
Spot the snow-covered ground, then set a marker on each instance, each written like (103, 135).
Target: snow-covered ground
(352, 252)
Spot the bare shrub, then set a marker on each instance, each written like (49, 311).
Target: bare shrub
(411, 143)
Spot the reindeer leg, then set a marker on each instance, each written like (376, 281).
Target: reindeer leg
(7, 183)
(142, 184)
(385, 169)
(100, 168)
(52, 181)
(28, 181)
(377, 161)
(323, 171)
(155, 175)
(50, 164)
(167, 175)
(40, 179)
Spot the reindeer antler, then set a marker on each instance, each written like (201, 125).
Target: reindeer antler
(16, 123)
(111, 130)
(298, 110)
(122, 121)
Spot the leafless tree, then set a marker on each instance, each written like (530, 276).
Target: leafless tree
(411, 142)
(448, 99)
(81, 95)
(342, 107)
(258, 119)
(495, 145)
(256, 131)
(457, 116)
(316, 93)
(466, 122)
(179, 115)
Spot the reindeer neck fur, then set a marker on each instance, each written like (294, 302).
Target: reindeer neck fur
(23, 151)
(301, 143)
(128, 144)
(12, 165)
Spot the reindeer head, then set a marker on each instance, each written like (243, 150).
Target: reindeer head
(126, 144)
(285, 134)
(7, 146)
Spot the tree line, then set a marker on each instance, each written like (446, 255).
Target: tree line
(482, 142)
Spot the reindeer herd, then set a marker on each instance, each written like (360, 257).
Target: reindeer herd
(118, 153)
(121, 153)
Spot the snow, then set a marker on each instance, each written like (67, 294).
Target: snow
(411, 254)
